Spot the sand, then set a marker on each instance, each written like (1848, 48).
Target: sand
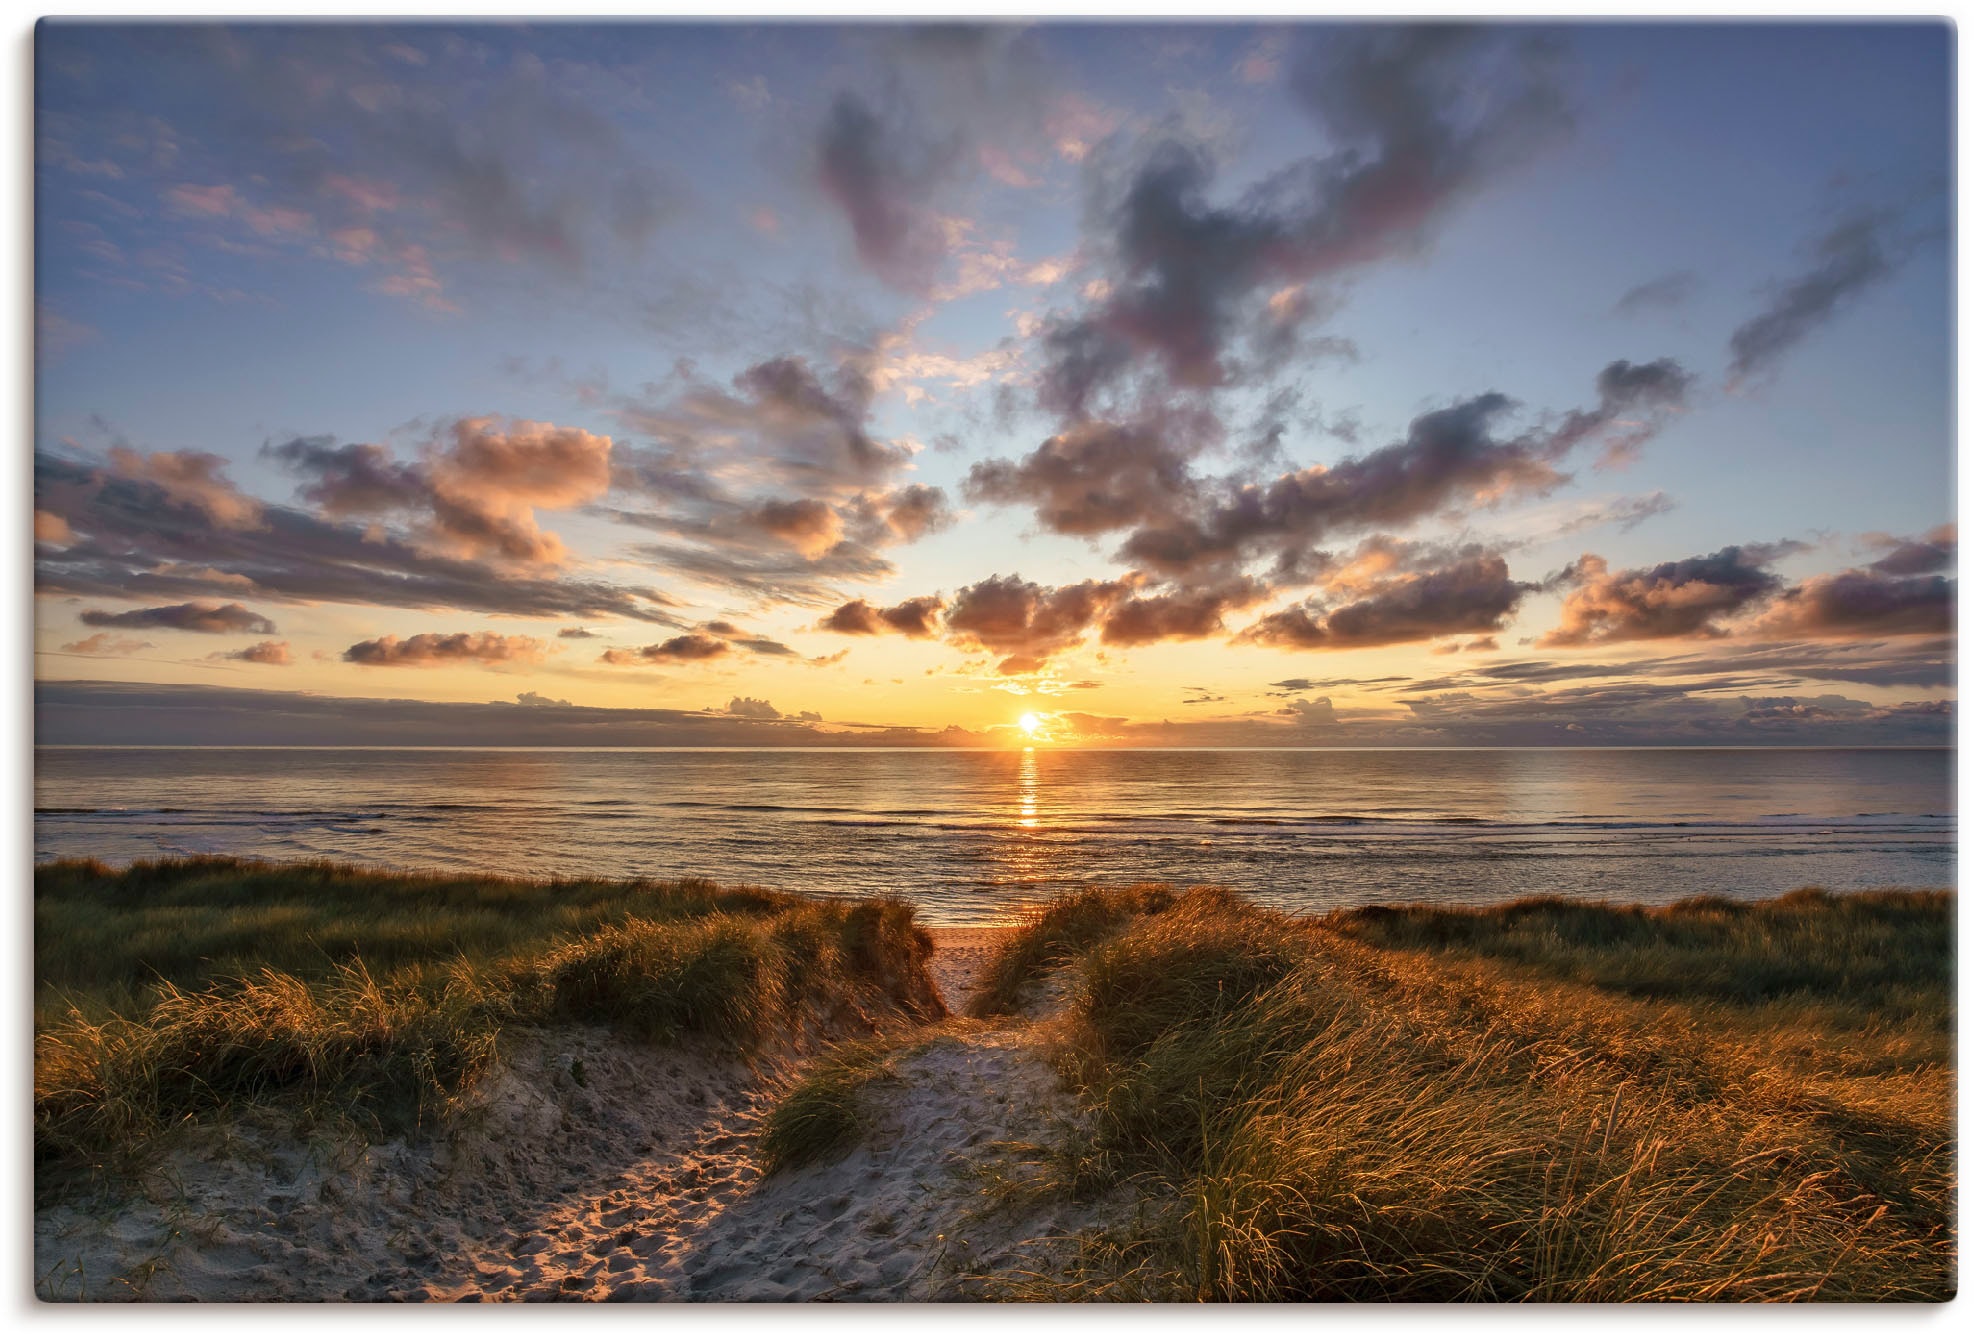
(592, 1168)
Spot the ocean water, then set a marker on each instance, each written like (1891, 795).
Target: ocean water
(973, 837)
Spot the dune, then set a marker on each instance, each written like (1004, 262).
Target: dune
(589, 1167)
(1137, 1093)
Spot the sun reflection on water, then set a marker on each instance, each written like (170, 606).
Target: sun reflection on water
(1028, 777)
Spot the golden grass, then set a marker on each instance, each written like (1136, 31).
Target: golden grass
(1519, 1103)
(327, 1037)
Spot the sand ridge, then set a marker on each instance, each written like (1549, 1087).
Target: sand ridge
(591, 1168)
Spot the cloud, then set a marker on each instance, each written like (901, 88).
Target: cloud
(1667, 601)
(883, 189)
(692, 647)
(193, 478)
(809, 526)
(275, 653)
(917, 618)
(1853, 256)
(775, 487)
(1863, 603)
(1026, 622)
(1654, 714)
(210, 618)
(140, 539)
(950, 101)
(1447, 455)
(576, 634)
(354, 479)
(1178, 615)
(489, 158)
(914, 511)
(536, 701)
(753, 708)
(475, 492)
(1659, 294)
(1936, 551)
(52, 529)
(428, 649)
(1314, 714)
(1673, 599)
(1475, 594)
(1419, 118)
(103, 643)
(1094, 477)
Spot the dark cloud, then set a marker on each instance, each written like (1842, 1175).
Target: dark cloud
(1193, 529)
(693, 646)
(1025, 622)
(1094, 477)
(1178, 615)
(752, 708)
(775, 488)
(1877, 664)
(126, 713)
(917, 617)
(1660, 294)
(1472, 595)
(710, 640)
(576, 634)
(211, 618)
(536, 701)
(476, 491)
(427, 649)
(1633, 400)
(1663, 715)
(137, 539)
(1673, 599)
(275, 653)
(1936, 551)
(946, 101)
(354, 479)
(1418, 118)
(1863, 603)
(914, 511)
(191, 478)
(867, 171)
(1845, 261)
(1448, 455)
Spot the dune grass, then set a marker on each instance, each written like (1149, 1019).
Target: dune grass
(1525, 1103)
(328, 990)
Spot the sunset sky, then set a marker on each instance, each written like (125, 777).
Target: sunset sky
(1272, 385)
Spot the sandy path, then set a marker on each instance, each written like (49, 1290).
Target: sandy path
(593, 1169)
(959, 961)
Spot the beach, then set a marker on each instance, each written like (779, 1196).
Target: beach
(639, 1183)
(1062, 1108)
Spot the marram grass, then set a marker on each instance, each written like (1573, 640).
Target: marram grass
(1513, 1104)
(206, 1024)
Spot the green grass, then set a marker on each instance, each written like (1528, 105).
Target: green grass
(1525, 1103)
(828, 1109)
(337, 991)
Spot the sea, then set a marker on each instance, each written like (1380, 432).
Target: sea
(976, 837)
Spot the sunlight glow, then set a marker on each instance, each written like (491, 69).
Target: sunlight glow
(1031, 724)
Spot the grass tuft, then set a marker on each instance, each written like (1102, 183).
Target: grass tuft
(1518, 1103)
(158, 1035)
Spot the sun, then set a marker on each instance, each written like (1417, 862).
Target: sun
(1031, 724)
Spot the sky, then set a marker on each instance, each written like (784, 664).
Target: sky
(1133, 384)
